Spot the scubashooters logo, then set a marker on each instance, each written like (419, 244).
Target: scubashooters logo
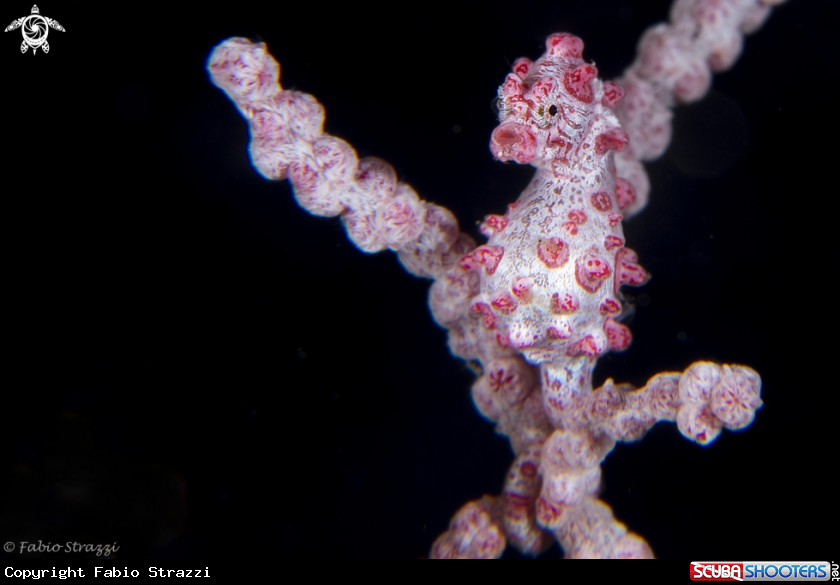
(35, 29)
(760, 571)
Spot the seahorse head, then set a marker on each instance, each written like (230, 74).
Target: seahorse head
(548, 108)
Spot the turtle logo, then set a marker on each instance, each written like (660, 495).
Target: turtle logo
(35, 29)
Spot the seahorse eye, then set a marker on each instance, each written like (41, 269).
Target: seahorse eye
(552, 110)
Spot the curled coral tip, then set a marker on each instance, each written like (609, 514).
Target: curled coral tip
(736, 397)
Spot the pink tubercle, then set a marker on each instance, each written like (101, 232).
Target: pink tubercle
(564, 45)
(612, 242)
(566, 305)
(589, 345)
(512, 86)
(627, 271)
(624, 193)
(486, 256)
(503, 303)
(511, 141)
(578, 83)
(618, 335)
(613, 94)
(542, 88)
(561, 330)
(522, 66)
(578, 216)
(522, 287)
(609, 306)
(570, 228)
(522, 337)
(601, 201)
(493, 224)
(591, 271)
(615, 139)
(553, 252)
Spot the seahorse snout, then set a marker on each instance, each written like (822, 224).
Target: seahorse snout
(512, 141)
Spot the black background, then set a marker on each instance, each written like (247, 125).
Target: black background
(195, 367)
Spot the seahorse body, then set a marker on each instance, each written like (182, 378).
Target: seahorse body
(553, 265)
